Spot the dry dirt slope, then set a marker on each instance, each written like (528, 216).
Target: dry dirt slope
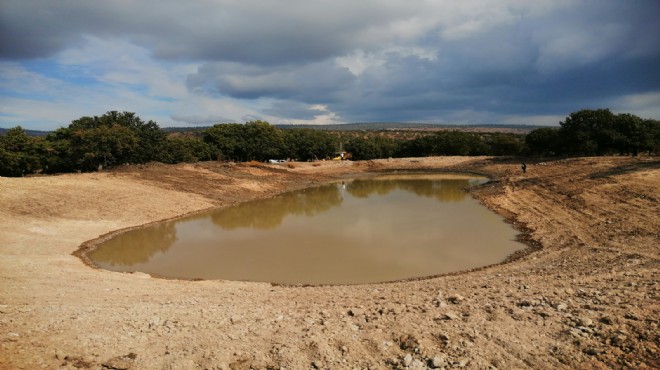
(587, 299)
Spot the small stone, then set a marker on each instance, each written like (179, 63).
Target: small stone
(417, 365)
(408, 342)
(443, 337)
(407, 360)
(450, 316)
(354, 312)
(591, 351)
(585, 321)
(561, 307)
(120, 362)
(608, 320)
(438, 361)
(456, 298)
(460, 363)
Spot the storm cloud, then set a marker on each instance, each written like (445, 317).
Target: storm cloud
(295, 61)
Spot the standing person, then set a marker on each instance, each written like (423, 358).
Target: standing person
(524, 167)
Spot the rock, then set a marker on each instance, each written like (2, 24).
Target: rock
(450, 316)
(120, 362)
(591, 351)
(443, 337)
(607, 320)
(460, 363)
(407, 360)
(456, 298)
(154, 322)
(561, 307)
(418, 365)
(438, 361)
(355, 312)
(618, 339)
(408, 342)
(585, 321)
(439, 303)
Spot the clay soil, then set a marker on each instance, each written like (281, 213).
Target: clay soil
(586, 296)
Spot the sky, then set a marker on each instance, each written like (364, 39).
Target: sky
(202, 62)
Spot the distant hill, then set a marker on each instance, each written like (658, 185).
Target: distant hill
(360, 126)
(29, 132)
(377, 126)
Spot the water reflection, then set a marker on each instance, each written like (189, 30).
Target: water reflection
(268, 214)
(136, 246)
(450, 190)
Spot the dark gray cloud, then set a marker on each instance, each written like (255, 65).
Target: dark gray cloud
(372, 60)
(264, 32)
(311, 83)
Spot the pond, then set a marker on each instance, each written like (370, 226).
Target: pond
(387, 228)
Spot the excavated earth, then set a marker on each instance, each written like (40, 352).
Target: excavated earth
(585, 296)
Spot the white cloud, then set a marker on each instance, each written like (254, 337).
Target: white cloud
(645, 105)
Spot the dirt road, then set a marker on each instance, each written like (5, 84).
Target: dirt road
(586, 298)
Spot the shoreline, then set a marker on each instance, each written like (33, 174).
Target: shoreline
(523, 233)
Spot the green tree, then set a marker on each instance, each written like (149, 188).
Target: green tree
(262, 141)
(254, 140)
(185, 149)
(226, 140)
(111, 139)
(651, 136)
(364, 148)
(149, 136)
(505, 144)
(21, 154)
(306, 144)
(589, 132)
(543, 141)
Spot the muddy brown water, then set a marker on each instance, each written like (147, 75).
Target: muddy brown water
(358, 231)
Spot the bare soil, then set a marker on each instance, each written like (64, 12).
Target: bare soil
(585, 297)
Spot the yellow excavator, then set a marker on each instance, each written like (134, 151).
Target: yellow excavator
(343, 156)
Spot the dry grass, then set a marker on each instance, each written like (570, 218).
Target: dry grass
(251, 164)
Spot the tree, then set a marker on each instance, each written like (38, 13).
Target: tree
(589, 132)
(651, 136)
(226, 140)
(149, 136)
(543, 141)
(185, 149)
(362, 148)
(254, 140)
(21, 154)
(262, 141)
(306, 144)
(505, 144)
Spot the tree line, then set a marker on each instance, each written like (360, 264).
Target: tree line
(596, 132)
(93, 143)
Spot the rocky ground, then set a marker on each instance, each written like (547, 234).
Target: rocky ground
(585, 297)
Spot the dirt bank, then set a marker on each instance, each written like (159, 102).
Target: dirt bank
(587, 299)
